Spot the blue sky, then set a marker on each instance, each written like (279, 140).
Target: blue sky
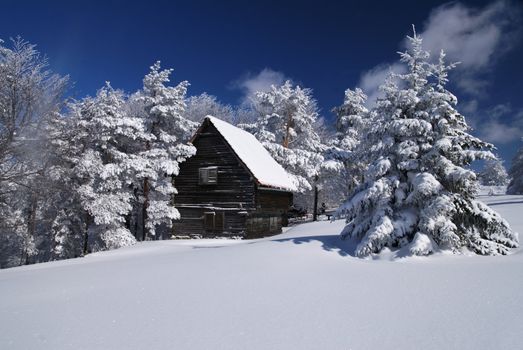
(229, 48)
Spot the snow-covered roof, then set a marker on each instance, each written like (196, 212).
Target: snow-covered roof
(255, 157)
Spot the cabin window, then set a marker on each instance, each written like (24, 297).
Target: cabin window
(214, 221)
(208, 176)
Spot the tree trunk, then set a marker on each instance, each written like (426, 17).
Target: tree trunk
(23, 259)
(146, 194)
(85, 248)
(172, 203)
(135, 215)
(128, 222)
(144, 208)
(315, 210)
(31, 222)
(287, 137)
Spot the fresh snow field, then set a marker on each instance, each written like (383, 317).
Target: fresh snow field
(297, 290)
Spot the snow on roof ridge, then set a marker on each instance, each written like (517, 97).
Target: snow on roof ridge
(255, 157)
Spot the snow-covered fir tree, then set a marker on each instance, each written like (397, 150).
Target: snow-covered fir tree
(163, 117)
(516, 174)
(493, 173)
(418, 193)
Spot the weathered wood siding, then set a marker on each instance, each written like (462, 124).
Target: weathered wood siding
(235, 205)
(271, 213)
(233, 195)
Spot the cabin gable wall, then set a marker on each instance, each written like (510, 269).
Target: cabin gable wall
(231, 199)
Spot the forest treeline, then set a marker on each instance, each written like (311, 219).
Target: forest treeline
(97, 173)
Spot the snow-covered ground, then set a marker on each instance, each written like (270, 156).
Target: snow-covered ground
(298, 290)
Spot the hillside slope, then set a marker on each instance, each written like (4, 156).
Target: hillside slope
(298, 290)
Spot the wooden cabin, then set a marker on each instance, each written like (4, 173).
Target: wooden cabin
(231, 187)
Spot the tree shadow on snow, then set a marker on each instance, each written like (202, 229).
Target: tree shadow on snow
(503, 203)
(335, 244)
(331, 243)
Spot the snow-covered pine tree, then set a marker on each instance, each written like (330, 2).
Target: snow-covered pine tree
(103, 166)
(164, 118)
(493, 173)
(418, 193)
(351, 120)
(68, 226)
(332, 183)
(198, 107)
(516, 174)
(285, 126)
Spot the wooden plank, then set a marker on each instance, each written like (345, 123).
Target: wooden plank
(243, 209)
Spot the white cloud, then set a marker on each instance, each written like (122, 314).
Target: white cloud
(470, 107)
(499, 124)
(496, 132)
(473, 85)
(499, 110)
(371, 80)
(474, 37)
(467, 35)
(262, 81)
